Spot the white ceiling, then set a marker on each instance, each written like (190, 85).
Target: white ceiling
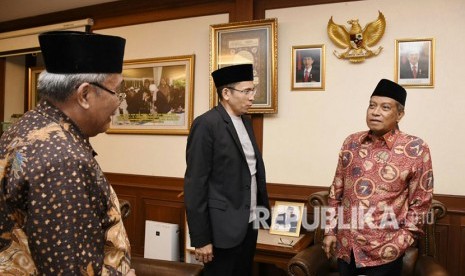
(16, 9)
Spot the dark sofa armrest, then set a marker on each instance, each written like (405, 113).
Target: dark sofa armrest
(310, 261)
(146, 267)
(428, 266)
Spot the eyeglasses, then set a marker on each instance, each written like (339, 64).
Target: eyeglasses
(246, 92)
(286, 242)
(121, 96)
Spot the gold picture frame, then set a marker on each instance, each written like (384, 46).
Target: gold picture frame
(312, 56)
(285, 219)
(415, 63)
(253, 42)
(159, 97)
(32, 96)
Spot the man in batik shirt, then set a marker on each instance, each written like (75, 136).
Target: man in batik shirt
(381, 192)
(58, 213)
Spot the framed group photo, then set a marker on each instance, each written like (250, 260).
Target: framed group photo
(308, 68)
(254, 42)
(415, 62)
(286, 218)
(159, 96)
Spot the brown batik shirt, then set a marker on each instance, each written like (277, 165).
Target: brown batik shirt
(380, 195)
(58, 213)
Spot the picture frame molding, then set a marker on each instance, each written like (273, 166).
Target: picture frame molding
(32, 96)
(189, 61)
(284, 204)
(268, 27)
(410, 82)
(310, 86)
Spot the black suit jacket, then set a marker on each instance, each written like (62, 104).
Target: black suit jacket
(217, 181)
(407, 73)
(315, 75)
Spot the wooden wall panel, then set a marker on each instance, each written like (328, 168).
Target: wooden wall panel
(462, 252)
(164, 211)
(158, 198)
(442, 240)
(152, 198)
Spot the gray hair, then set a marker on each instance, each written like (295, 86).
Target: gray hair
(58, 87)
(400, 107)
(219, 90)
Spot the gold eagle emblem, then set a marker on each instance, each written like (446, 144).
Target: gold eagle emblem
(356, 41)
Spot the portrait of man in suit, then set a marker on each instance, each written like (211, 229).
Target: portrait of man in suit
(308, 67)
(414, 62)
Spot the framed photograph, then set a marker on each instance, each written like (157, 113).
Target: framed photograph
(159, 96)
(308, 68)
(254, 42)
(415, 62)
(286, 218)
(32, 95)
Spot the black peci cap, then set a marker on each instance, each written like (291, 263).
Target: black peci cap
(70, 52)
(232, 74)
(390, 89)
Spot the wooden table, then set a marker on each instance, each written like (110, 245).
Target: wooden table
(272, 250)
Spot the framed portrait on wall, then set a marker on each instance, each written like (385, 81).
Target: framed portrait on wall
(415, 62)
(159, 95)
(308, 68)
(32, 95)
(286, 218)
(253, 42)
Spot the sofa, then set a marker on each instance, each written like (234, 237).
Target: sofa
(419, 259)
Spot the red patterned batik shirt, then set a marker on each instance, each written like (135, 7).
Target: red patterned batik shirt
(380, 196)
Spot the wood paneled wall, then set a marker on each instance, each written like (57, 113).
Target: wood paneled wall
(160, 199)
(157, 198)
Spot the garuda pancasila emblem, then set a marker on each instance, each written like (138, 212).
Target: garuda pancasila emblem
(356, 41)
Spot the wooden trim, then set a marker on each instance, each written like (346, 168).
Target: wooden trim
(120, 9)
(243, 11)
(159, 198)
(279, 4)
(455, 204)
(161, 15)
(277, 191)
(257, 125)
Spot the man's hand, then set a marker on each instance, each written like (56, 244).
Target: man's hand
(204, 254)
(329, 245)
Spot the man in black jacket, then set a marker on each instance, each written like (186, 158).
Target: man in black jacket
(225, 178)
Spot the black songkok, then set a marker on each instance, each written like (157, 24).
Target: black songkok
(70, 52)
(390, 89)
(232, 74)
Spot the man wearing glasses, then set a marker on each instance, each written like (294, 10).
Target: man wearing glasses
(225, 178)
(58, 213)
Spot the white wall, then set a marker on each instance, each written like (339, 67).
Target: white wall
(302, 141)
(160, 155)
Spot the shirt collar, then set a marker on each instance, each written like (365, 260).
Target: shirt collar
(390, 137)
(55, 114)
